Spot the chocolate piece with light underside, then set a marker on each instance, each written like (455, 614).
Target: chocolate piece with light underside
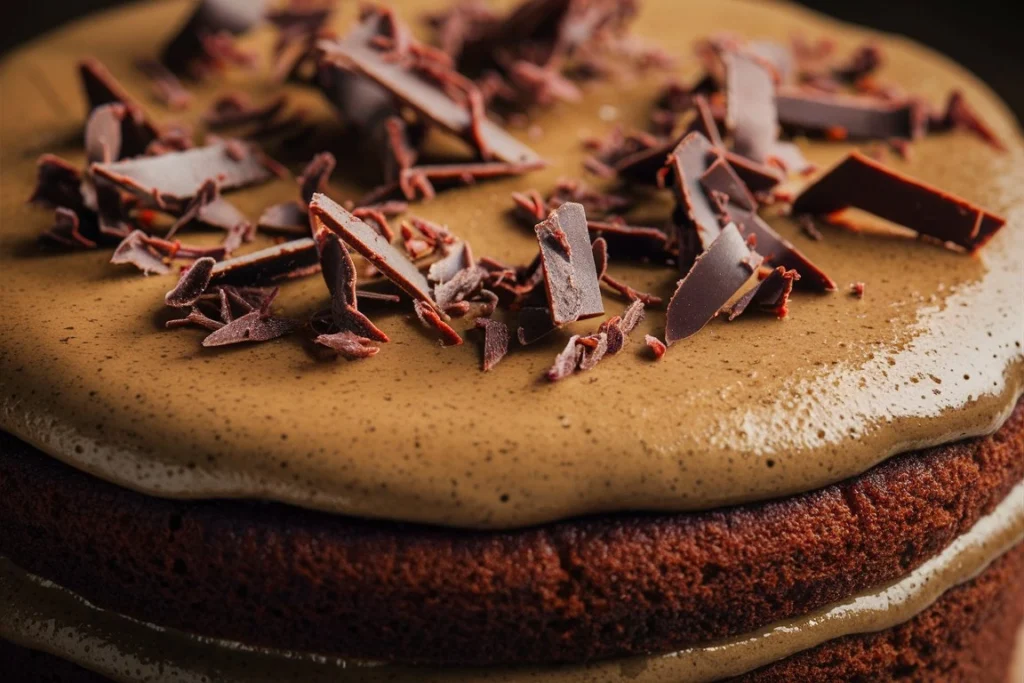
(777, 250)
(374, 248)
(114, 131)
(860, 182)
(751, 114)
(714, 279)
(849, 116)
(171, 180)
(278, 263)
(426, 98)
(570, 274)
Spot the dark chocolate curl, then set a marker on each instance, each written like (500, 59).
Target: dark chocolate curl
(860, 182)
(715, 278)
(192, 285)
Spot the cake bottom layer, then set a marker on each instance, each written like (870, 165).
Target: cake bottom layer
(967, 636)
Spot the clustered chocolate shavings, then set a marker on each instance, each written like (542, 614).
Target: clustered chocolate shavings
(719, 144)
(860, 182)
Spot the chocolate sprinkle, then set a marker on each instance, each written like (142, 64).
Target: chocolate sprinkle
(348, 344)
(715, 277)
(860, 182)
(192, 284)
(496, 340)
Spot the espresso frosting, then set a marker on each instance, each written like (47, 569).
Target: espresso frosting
(748, 410)
(42, 615)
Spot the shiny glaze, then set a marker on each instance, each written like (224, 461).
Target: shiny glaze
(748, 410)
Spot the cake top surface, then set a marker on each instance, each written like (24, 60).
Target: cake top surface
(747, 410)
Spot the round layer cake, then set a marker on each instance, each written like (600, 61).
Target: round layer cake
(837, 495)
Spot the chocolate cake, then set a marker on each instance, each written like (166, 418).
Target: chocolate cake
(550, 341)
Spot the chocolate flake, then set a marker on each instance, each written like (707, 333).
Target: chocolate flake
(285, 261)
(289, 218)
(209, 208)
(690, 162)
(496, 340)
(171, 180)
(67, 231)
(204, 44)
(567, 361)
(592, 354)
(759, 178)
(193, 283)
(430, 318)
(715, 277)
(656, 346)
(720, 177)
(135, 251)
(374, 248)
(348, 344)
(860, 182)
(459, 257)
(770, 295)
(166, 87)
(255, 326)
(314, 177)
(58, 183)
(340, 275)
(751, 114)
(960, 115)
(235, 109)
(570, 274)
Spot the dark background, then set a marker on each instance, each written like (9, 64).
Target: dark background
(983, 35)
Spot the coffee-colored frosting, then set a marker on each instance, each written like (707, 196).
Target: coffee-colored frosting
(747, 410)
(41, 615)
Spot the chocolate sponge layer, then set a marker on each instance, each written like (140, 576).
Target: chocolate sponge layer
(267, 574)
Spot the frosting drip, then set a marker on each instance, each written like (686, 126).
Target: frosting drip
(749, 410)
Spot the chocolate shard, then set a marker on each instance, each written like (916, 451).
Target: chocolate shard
(374, 248)
(255, 326)
(192, 284)
(496, 340)
(314, 177)
(340, 275)
(704, 123)
(789, 156)
(848, 116)
(101, 87)
(689, 163)
(209, 208)
(285, 261)
(600, 249)
(466, 282)
(778, 251)
(348, 344)
(570, 274)
(593, 351)
(236, 109)
(289, 218)
(171, 180)
(860, 182)
(429, 100)
(632, 316)
(716, 276)
(134, 250)
(67, 231)
(759, 178)
(771, 295)
(751, 114)
(58, 184)
(960, 115)
(567, 361)
(720, 177)
(459, 257)
(103, 133)
(165, 86)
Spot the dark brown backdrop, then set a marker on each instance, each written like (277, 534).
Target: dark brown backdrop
(983, 35)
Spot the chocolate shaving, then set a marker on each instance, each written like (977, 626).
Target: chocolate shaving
(166, 87)
(656, 346)
(567, 361)
(690, 162)
(459, 257)
(720, 177)
(235, 109)
(430, 318)
(289, 218)
(193, 283)
(534, 324)
(102, 88)
(340, 275)
(570, 274)
(285, 261)
(751, 114)
(849, 117)
(418, 181)
(715, 277)
(67, 231)
(58, 184)
(209, 208)
(959, 115)
(112, 132)
(204, 44)
(858, 181)
(374, 248)
(600, 249)
(770, 295)
(496, 340)
(431, 101)
(464, 284)
(256, 326)
(592, 354)
(759, 178)
(135, 251)
(171, 180)
(348, 344)
(314, 177)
